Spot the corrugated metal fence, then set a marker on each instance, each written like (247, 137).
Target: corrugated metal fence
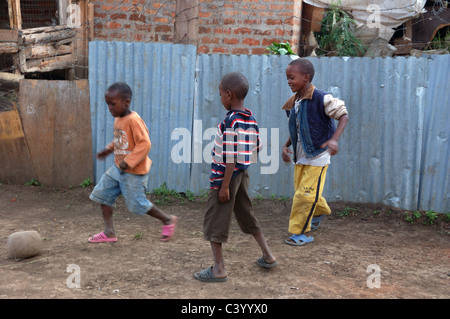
(394, 150)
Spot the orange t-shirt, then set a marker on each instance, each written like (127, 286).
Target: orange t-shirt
(131, 144)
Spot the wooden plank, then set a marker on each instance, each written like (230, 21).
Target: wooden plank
(49, 64)
(9, 36)
(16, 164)
(57, 125)
(9, 47)
(10, 77)
(46, 50)
(45, 37)
(53, 28)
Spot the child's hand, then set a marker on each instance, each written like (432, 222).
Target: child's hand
(333, 146)
(123, 166)
(102, 154)
(285, 154)
(224, 194)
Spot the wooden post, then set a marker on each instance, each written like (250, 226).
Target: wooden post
(62, 12)
(15, 15)
(186, 22)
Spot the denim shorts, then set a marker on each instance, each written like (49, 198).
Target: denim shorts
(115, 182)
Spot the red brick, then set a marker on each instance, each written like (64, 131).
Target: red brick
(161, 20)
(231, 13)
(279, 32)
(163, 28)
(137, 17)
(208, 40)
(242, 31)
(261, 32)
(230, 41)
(251, 41)
(239, 51)
(204, 14)
(203, 49)
(259, 51)
(112, 25)
(143, 27)
(269, 41)
(138, 37)
(220, 50)
(252, 21)
(274, 21)
(202, 30)
(116, 16)
(99, 14)
(229, 21)
(276, 7)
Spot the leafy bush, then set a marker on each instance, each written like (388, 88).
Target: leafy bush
(280, 48)
(336, 35)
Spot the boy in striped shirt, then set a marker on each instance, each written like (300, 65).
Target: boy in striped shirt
(237, 140)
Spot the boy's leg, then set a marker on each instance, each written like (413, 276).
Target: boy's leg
(309, 182)
(322, 208)
(219, 264)
(107, 212)
(165, 218)
(216, 224)
(133, 189)
(247, 221)
(105, 193)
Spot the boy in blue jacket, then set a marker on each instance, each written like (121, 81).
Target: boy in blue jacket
(314, 139)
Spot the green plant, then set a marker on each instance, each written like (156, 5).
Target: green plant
(280, 48)
(165, 195)
(346, 211)
(33, 182)
(431, 216)
(87, 182)
(413, 216)
(138, 236)
(417, 215)
(190, 196)
(447, 217)
(441, 40)
(336, 36)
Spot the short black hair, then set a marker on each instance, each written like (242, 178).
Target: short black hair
(122, 88)
(306, 67)
(237, 83)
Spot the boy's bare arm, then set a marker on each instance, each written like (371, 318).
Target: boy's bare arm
(224, 192)
(286, 151)
(332, 143)
(103, 153)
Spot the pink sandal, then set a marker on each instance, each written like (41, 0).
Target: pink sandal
(169, 230)
(101, 238)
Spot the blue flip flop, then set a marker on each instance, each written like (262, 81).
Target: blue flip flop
(208, 276)
(315, 222)
(299, 240)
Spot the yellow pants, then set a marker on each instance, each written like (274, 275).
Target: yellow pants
(308, 200)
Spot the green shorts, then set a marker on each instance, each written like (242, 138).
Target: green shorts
(217, 220)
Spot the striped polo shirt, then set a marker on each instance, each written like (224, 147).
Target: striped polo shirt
(237, 137)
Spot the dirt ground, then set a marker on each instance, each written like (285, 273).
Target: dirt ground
(413, 257)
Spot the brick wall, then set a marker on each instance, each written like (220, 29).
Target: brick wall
(223, 26)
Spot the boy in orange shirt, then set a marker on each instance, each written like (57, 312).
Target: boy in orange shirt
(129, 174)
